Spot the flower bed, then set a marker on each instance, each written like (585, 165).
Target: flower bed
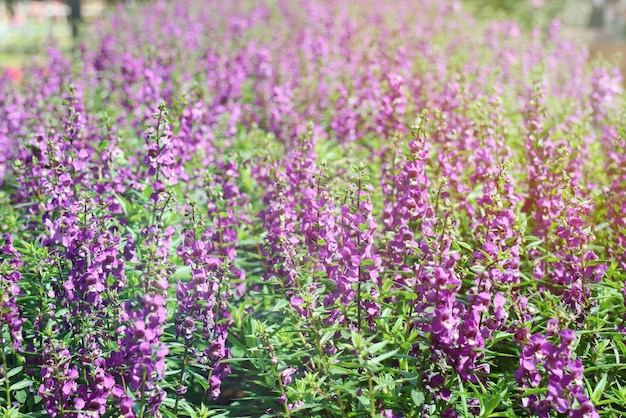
(312, 208)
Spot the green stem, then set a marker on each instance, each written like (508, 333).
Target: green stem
(153, 216)
(7, 383)
(325, 362)
(370, 385)
(205, 392)
(142, 404)
(282, 391)
(182, 374)
(407, 331)
(358, 291)
(159, 217)
(61, 408)
(41, 310)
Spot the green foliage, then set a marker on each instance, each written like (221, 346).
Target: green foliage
(529, 13)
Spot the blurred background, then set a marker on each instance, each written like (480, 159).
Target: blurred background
(26, 25)
(599, 24)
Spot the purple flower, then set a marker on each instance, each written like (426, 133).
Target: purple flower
(10, 264)
(286, 375)
(297, 303)
(564, 375)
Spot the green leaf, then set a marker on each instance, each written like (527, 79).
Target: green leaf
(20, 396)
(536, 242)
(61, 312)
(14, 371)
(199, 379)
(490, 404)
(21, 385)
(418, 398)
(621, 346)
(599, 389)
(510, 241)
(280, 304)
(615, 366)
(365, 400)
(326, 337)
(374, 348)
(464, 245)
(383, 356)
(339, 370)
(350, 364)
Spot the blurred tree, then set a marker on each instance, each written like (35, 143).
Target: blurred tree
(529, 13)
(596, 19)
(10, 8)
(75, 16)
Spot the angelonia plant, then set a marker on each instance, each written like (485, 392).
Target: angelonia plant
(312, 208)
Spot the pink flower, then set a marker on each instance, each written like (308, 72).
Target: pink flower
(537, 4)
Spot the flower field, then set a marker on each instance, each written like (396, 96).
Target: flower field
(312, 208)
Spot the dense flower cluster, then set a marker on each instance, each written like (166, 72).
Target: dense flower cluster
(139, 361)
(564, 375)
(378, 207)
(9, 287)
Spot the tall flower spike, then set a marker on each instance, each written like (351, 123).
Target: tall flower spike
(10, 275)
